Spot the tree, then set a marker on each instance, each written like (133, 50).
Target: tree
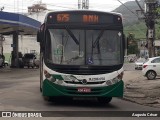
(132, 44)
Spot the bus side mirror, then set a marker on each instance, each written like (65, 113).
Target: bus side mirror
(39, 39)
(40, 33)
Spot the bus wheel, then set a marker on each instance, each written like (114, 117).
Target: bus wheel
(62, 99)
(104, 100)
(40, 86)
(40, 89)
(47, 98)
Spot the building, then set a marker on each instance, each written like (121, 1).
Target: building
(144, 51)
(37, 11)
(157, 47)
(27, 43)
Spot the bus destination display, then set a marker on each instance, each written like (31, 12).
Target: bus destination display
(82, 18)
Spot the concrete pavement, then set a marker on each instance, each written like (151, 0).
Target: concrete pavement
(140, 90)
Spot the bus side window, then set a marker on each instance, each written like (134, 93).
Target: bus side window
(48, 45)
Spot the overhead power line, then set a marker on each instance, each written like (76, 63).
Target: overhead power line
(60, 6)
(140, 8)
(128, 8)
(132, 13)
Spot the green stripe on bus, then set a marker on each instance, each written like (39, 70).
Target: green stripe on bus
(51, 89)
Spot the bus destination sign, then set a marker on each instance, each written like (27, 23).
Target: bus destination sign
(85, 18)
(89, 18)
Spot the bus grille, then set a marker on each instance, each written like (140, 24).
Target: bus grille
(88, 83)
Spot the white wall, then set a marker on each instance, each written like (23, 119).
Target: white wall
(26, 43)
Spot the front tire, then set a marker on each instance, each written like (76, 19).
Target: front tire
(151, 75)
(47, 98)
(104, 100)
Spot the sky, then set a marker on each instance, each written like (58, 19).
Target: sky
(21, 5)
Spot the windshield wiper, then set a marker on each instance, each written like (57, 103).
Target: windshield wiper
(90, 60)
(73, 59)
(72, 35)
(98, 38)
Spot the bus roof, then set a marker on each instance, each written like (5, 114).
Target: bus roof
(114, 13)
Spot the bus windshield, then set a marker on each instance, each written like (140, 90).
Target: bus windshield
(84, 47)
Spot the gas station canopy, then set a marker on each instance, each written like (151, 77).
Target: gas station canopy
(13, 22)
(17, 24)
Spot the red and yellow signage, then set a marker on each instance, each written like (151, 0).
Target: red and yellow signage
(63, 17)
(84, 18)
(90, 18)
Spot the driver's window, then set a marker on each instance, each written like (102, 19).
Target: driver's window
(156, 60)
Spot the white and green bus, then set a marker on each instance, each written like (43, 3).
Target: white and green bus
(82, 55)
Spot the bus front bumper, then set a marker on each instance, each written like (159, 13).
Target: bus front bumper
(51, 89)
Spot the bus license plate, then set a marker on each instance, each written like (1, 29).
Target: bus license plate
(85, 90)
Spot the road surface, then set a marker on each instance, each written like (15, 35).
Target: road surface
(19, 91)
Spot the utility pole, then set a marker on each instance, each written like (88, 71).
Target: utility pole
(1, 44)
(87, 4)
(150, 15)
(79, 4)
(83, 4)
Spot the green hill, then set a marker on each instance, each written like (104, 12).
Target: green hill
(129, 12)
(131, 22)
(139, 29)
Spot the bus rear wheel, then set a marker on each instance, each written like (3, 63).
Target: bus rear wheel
(104, 100)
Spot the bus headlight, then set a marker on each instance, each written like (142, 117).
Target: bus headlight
(108, 82)
(115, 80)
(73, 78)
(46, 74)
(53, 79)
(56, 81)
(59, 82)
